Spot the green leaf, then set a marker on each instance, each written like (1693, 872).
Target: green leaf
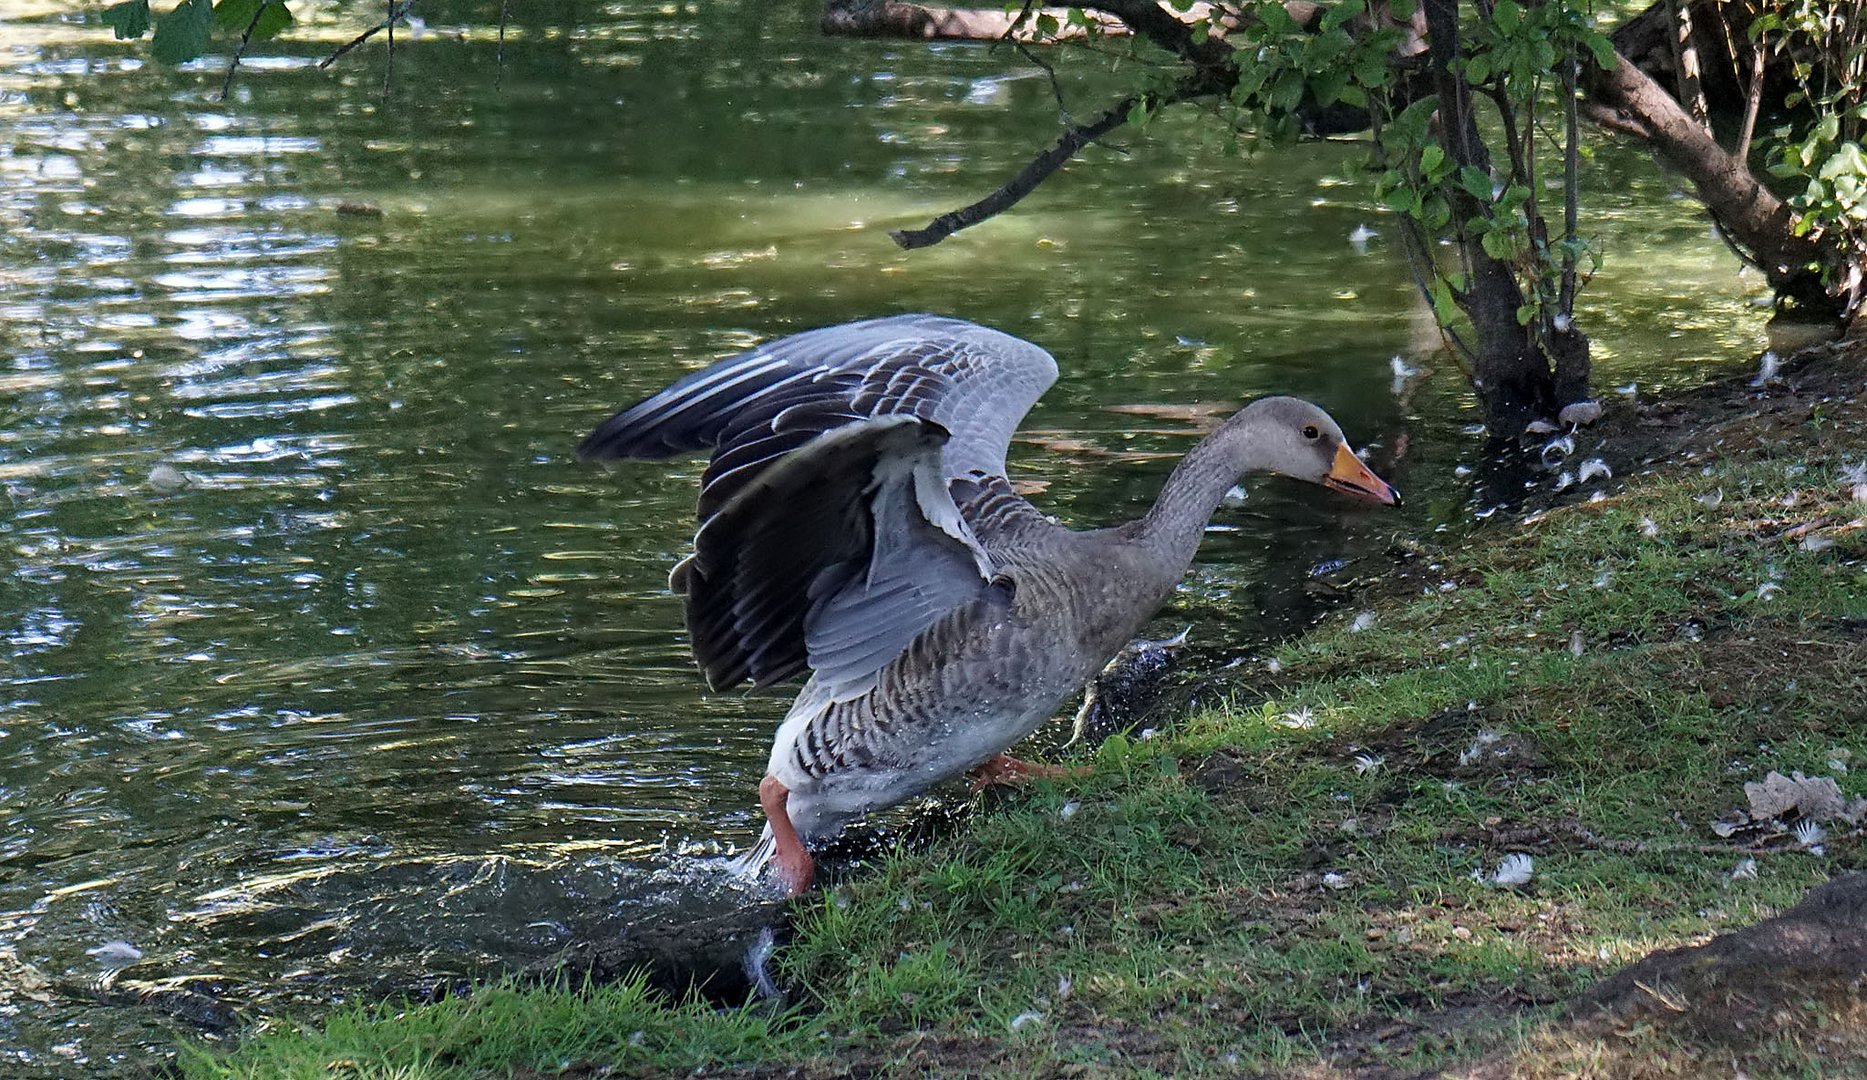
(1475, 182)
(1431, 157)
(1277, 21)
(1371, 71)
(1328, 86)
(1443, 307)
(1435, 212)
(1403, 9)
(130, 19)
(1602, 48)
(1403, 200)
(235, 16)
(1287, 91)
(1046, 25)
(1508, 14)
(1413, 119)
(184, 33)
(1525, 313)
(1845, 161)
(1342, 13)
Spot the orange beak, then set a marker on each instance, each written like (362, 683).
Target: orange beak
(1350, 476)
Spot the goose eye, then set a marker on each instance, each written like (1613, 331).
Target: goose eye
(1310, 432)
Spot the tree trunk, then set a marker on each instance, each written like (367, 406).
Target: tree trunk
(1627, 99)
(1510, 373)
(1716, 28)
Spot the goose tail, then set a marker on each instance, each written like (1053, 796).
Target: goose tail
(749, 865)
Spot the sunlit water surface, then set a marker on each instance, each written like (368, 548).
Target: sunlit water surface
(333, 674)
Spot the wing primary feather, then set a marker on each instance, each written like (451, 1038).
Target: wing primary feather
(829, 536)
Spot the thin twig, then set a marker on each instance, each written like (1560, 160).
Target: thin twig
(1571, 170)
(245, 36)
(388, 65)
(1753, 101)
(1531, 211)
(499, 56)
(1056, 87)
(1017, 24)
(1513, 140)
(394, 13)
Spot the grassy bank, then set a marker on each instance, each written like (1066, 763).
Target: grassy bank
(1304, 884)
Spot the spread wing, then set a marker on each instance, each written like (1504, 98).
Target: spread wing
(828, 537)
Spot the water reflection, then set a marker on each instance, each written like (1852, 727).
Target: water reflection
(331, 673)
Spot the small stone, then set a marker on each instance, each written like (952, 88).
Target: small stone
(1580, 413)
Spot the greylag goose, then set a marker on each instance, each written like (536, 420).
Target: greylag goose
(856, 521)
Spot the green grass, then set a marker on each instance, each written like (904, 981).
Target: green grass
(501, 1029)
(1286, 885)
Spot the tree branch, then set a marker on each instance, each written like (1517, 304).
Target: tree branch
(245, 37)
(1627, 99)
(395, 13)
(1040, 168)
(1154, 22)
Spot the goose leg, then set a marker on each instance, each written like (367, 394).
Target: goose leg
(1005, 769)
(795, 868)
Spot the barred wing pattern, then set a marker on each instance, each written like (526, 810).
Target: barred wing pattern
(828, 536)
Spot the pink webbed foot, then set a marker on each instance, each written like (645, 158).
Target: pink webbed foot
(1005, 769)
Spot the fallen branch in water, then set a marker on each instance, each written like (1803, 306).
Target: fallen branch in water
(1014, 190)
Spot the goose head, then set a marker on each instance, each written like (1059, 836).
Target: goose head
(1291, 437)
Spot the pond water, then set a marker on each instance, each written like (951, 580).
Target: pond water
(333, 674)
